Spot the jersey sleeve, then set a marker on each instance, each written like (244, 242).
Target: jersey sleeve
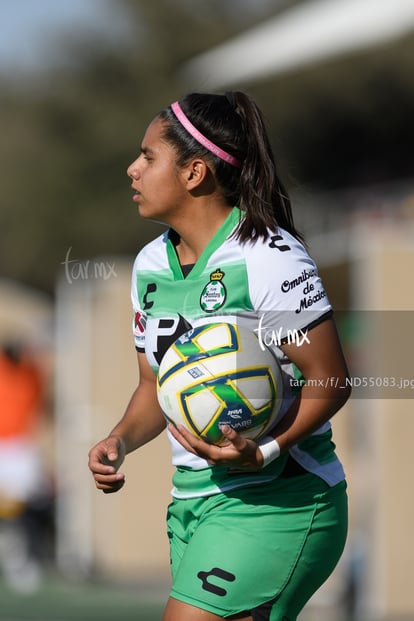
(139, 317)
(285, 288)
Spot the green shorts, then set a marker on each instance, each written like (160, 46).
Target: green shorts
(262, 550)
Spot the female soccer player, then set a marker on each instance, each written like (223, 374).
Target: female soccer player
(255, 527)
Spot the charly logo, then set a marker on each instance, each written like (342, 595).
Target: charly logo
(216, 572)
(214, 293)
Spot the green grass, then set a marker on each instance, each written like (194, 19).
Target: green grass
(59, 600)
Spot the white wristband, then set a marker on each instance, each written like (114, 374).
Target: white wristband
(269, 448)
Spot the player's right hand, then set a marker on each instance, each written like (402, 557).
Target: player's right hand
(104, 460)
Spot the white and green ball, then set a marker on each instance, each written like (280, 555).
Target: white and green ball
(220, 374)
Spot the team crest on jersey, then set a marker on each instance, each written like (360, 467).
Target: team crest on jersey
(214, 293)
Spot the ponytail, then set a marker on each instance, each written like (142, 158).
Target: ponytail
(234, 124)
(263, 198)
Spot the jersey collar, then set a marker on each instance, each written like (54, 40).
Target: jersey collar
(215, 242)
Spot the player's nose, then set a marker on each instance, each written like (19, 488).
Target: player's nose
(133, 170)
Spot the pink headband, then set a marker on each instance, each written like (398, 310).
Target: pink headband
(193, 131)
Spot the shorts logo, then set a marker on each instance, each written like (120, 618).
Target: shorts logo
(214, 293)
(218, 573)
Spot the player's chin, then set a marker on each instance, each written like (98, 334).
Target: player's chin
(155, 215)
(145, 211)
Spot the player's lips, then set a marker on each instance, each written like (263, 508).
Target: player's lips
(137, 195)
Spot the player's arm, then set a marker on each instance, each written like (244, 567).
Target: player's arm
(325, 390)
(322, 363)
(141, 423)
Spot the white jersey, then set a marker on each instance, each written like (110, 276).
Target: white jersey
(270, 286)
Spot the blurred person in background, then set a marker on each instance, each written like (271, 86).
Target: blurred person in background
(255, 528)
(22, 476)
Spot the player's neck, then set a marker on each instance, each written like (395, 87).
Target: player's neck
(196, 232)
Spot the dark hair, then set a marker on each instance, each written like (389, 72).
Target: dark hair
(234, 123)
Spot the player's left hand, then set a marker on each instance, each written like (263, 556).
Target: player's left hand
(236, 452)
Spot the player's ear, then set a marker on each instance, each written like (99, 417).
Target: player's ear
(196, 173)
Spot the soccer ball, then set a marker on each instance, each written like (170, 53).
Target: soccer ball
(218, 374)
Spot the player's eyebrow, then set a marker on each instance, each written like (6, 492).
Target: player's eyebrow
(147, 150)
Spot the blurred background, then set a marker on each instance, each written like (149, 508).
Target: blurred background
(79, 82)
